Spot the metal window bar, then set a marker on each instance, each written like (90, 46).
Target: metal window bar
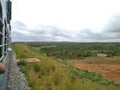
(4, 42)
(5, 28)
(1, 33)
(1, 57)
(3, 49)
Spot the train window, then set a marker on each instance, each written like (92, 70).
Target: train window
(0, 11)
(0, 45)
(1, 35)
(4, 29)
(9, 11)
(5, 38)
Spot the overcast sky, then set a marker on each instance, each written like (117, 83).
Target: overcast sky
(66, 20)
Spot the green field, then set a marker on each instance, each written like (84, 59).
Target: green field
(54, 73)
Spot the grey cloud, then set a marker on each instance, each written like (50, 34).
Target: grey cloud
(112, 29)
(19, 25)
(111, 32)
(88, 35)
(40, 33)
(104, 36)
(52, 30)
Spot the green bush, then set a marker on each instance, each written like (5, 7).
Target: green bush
(22, 63)
(105, 81)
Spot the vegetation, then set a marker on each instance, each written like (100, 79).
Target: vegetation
(52, 74)
(22, 63)
(77, 50)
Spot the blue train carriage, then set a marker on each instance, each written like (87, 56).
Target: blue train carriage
(5, 37)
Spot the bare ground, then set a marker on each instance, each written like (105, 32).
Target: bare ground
(109, 68)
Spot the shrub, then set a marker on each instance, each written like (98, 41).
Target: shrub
(22, 63)
(105, 81)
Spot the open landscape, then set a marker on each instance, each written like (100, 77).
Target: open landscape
(69, 66)
(59, 44)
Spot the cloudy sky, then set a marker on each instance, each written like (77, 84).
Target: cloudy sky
(66, 20)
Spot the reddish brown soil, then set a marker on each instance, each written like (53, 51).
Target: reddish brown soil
(108, 68)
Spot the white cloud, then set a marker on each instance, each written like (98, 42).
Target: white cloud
(68, 14)
(66, 17)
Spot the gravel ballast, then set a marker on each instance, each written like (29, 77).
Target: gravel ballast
(16, 79)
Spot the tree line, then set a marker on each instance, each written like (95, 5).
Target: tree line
(67, 50)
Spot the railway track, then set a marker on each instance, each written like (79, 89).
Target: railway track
(13, 79)
(16, 79)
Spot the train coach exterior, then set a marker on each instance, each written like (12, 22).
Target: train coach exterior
(5, 39)
(5, 28)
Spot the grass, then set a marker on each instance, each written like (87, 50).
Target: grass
(50, 74)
